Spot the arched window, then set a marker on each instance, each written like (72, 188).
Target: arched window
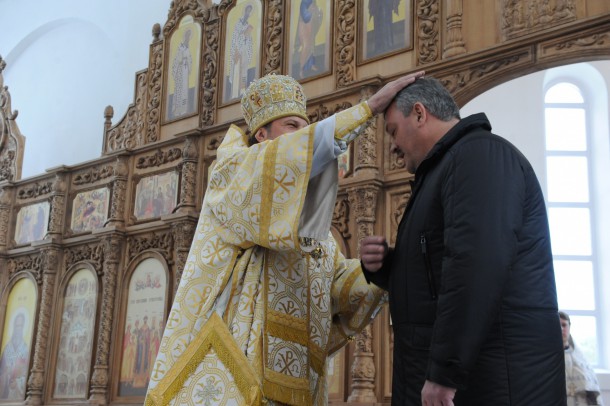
(573, 211)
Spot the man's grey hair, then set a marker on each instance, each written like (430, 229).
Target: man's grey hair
(432, 94)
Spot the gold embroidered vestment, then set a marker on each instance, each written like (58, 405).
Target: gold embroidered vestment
(265, 296)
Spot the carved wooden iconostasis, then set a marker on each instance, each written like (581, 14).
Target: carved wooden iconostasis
(91, 254)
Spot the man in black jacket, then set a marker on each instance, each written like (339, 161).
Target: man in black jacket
(471, 281)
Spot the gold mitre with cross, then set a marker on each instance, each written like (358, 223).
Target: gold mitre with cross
(272, 97)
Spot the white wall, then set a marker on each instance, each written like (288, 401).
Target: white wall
(66, 61)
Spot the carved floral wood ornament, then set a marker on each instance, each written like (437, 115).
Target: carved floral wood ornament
(11, 140)
(146, 148)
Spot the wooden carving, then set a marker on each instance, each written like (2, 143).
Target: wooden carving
(454, 45)
(31, 263)
(119, 190)
(92, 175)
(6, 195)
(210, 64)
(274, 35)
(346, 48)
(182, 234)
(153, 98)
(428, 17)
(11, 141)
(91, 253)
(457, 81)
(177, 9)
(363, 368)
(56, 215)
(521, 17)
(396, 160)
(366, 150)
(34, 190)
(8, 164)
(49, 262)
(159, 158)
(323, 111)
(188, 181)
(129, 132)
(99, 379)
(364, 202)
(162, 242)
(341, 217)
(578, 45)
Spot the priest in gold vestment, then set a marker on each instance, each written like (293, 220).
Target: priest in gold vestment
(266, 297)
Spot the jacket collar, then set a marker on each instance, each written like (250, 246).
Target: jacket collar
(456, 133)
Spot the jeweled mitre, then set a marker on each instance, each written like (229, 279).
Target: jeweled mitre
(272, 97)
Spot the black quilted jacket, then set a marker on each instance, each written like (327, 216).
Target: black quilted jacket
(471, 282)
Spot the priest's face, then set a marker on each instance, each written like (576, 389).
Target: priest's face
(284, 125)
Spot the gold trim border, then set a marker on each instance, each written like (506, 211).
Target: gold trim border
(287, 389)
(286, 327)
(216, 335)
(267, 191)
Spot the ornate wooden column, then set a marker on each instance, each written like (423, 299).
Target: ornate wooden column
(345, 45)
(153, 96)
(188, 176)
(428, 36)
(365, 155)
(58, 198)
(183, 232)
(183, 226)
(210, 79)
(363, 201)
(454, 44)
(116, 218)
(112, 247)
(49, 260)
(6, 197)
(274, 36)
(49, 264)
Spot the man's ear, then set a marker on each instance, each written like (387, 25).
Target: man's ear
(419, 110)
(261, 134)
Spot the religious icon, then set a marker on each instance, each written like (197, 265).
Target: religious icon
(17, 340)
(242, 48)
(309, 38)
(32, 223)
(385, 27)
(183, 70)
(90, 210)
(76, 337)
(156, 195)
(144, 325)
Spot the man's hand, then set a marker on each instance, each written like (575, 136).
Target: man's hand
(373, 250)
(434, 394)
(380, 101)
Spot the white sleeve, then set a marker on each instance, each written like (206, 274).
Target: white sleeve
(326, 148)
